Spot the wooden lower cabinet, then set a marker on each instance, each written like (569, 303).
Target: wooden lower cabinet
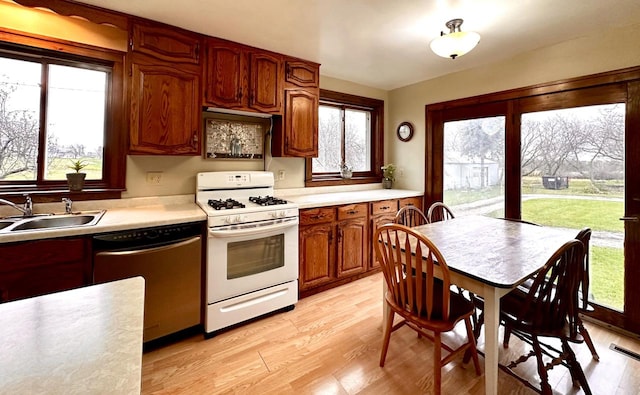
(353, 240)
(335, 242)
(33, 268)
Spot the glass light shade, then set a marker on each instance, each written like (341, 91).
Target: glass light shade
(455, 44)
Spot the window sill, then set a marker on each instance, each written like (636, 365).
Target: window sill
(321, 181)
(55, 195)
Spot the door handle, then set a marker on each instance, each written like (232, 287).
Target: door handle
(630, 218)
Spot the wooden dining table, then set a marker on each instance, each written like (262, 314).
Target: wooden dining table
(490, 257)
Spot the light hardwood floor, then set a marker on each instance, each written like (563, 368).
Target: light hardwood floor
(330, 344)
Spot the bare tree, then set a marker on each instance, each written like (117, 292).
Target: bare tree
(18, 137)
(483, 139)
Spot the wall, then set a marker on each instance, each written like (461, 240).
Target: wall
(611, 49)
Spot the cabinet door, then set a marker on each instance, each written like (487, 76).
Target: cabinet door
(376, 222)
(226, 75)
(303, 74)
(168, 44)
(317, 259)
(265, 82)
(44, 266)
(299, 134)
(352, 247)
(165, 110)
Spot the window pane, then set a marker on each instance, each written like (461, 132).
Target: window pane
(473, 180)
(356, 140)
(329, 140)
(573, 177)
(19, 118)
(75, 120)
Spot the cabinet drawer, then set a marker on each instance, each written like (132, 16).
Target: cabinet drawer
(411, 201)
(38, 253)
(384, 206)
(352, 211)
(317, 215)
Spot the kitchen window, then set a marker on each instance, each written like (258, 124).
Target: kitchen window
(350, 136)
(57, 107)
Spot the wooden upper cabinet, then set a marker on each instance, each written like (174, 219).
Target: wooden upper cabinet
(165, 110)
(244, 78)
(165, 90)
(225, 75)
(265, 82)
(165, 43)
(296, 133)
(303, 74)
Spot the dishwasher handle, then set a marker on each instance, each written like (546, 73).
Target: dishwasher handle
(147, 250)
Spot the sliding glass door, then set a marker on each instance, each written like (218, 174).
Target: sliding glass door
(573, 177)
(563, 155)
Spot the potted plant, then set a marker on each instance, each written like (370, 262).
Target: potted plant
(388, 175)
(76, 180)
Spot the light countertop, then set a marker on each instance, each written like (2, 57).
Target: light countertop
(84, 341)
(120, 215)
(345, 197)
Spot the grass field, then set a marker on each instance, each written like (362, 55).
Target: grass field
(59, 167)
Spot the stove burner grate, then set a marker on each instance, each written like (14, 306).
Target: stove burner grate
(225, 204)
(267, 200)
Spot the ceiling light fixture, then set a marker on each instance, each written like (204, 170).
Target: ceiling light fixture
(456, 43)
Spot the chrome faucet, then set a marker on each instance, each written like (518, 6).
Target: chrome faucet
(67, 205)
(26, 209)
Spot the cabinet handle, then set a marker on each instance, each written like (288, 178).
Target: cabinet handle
(288, 71)
(131, 43)
(197, 52)
(385, 208)
(330, 236)
(318, 216)
(195, 139)
(240, 94)
(351, 212)
(339, 235)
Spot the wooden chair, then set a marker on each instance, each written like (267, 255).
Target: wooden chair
(410, 216)
(550, 311)
(425, 303)
(584, 236)
(439, 212)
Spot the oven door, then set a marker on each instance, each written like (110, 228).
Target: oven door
(249, 257)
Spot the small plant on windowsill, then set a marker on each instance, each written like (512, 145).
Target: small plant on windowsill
(388, 175)
(76, 180)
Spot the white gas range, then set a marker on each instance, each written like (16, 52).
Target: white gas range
(252, 247)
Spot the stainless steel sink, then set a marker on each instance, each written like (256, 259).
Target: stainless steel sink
(4, 224)
(54, 221)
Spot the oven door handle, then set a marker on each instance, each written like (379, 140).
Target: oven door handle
(253, 230)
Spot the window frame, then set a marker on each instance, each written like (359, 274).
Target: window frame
(376, 108)
(29, 47)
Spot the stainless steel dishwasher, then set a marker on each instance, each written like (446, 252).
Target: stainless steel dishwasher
(170, 260)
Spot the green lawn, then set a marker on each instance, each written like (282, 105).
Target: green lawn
(607, 264)
(599, 215)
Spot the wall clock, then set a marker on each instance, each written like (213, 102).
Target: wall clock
(405, 131)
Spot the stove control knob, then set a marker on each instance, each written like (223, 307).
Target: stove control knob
(274, 214)
(228, 220)
(241, 219)
(282, 214)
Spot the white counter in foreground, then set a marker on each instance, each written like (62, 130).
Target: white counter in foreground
(83, 341)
